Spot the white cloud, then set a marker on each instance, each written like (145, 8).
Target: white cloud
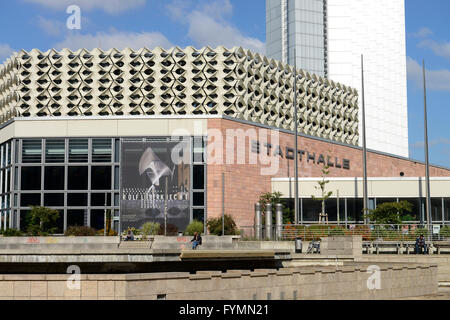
(51, 27)
(432, 143)
(114, 39)
(440, 49)
(5, 52)
(438, 80)
(109, 6)
(422, 33)
(207, 24)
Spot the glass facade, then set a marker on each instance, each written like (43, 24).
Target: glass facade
(297, 30)
(78, 177)
(350, 209)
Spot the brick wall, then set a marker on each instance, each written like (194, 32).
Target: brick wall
(244, 183)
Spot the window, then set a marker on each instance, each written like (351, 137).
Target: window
(77, 178)
(30, 199)
(436, 209)
(78, 150)
(77, 199)
(447, 209)
(101, 150)
(54, 178)
(24, 219)
(311, 210)
(198, 199)
(199, 177)
(54, 151)
(354, 210)
(98, 219)
(76, 217)
(98, 199)
(199, 214)
(54, 199)
(30, 178)
(101, 178)
(31, 151)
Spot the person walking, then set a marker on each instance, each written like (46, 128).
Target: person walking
(196, 241)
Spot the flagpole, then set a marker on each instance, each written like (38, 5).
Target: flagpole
(296, 141)
(427, 164)
(366, 199)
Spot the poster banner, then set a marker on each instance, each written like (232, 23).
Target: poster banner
(155, 183)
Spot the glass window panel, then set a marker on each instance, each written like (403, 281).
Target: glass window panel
(116, 199)
(16, 152)
(198, 214)
(16, 177)
(31, 151)
(8, 180)
(198, 199)
(54, 199)
(77, 199)
(24, 219)
(415, 202)
(199, 177)
(54, 151)
(101, 178)
(311, 210)
(331, 209)
(116, 178)
(9, 153)
(447, 209)
(76, 217)
(15, 199)
(384, 200)
(97, 219)
(98, 199)
(101, 150)
(30, 178)
(117, 150)
(59, 223)
(77, 178)
(30, 199)
(54, 178)
(354, 210)
(436, 209)
(78, 150)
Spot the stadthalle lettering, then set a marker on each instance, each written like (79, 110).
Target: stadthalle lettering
(333, 162)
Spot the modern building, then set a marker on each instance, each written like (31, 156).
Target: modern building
(328, 37)
(176, 135)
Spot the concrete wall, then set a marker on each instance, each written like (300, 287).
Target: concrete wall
(442, 262)
(347, 282)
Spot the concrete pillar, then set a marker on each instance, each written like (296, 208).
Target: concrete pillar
(279, 220)
(258, 222)
(269, 231)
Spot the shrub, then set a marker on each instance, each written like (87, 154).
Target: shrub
(42, 221)
(420, 231)
(215, 226)
(337, 232)
(150, 228)
(80, 231)
(445, 231)
(12, 233)
(194, 226)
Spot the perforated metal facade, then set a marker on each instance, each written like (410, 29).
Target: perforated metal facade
(233, 82)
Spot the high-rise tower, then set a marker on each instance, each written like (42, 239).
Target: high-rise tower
(329, 37)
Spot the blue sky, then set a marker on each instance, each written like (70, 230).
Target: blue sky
(41, 24)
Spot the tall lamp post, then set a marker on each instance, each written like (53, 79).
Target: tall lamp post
(296, 211)
(366, 198)
(427, 164)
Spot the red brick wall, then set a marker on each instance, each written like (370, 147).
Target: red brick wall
(244, 182)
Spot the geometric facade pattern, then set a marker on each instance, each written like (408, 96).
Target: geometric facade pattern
(233, 82)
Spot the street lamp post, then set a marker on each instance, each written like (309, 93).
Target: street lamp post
(427, 164)
(366, 198)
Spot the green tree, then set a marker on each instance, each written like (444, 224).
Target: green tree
(322, 186)
(42, 221)
(215, 226)
(389, 212)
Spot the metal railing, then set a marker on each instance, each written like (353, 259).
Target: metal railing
(404, 232)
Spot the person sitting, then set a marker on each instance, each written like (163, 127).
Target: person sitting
(420, 244)
(196, 241)
(130, 235)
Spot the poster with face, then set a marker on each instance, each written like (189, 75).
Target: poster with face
(155, 183)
